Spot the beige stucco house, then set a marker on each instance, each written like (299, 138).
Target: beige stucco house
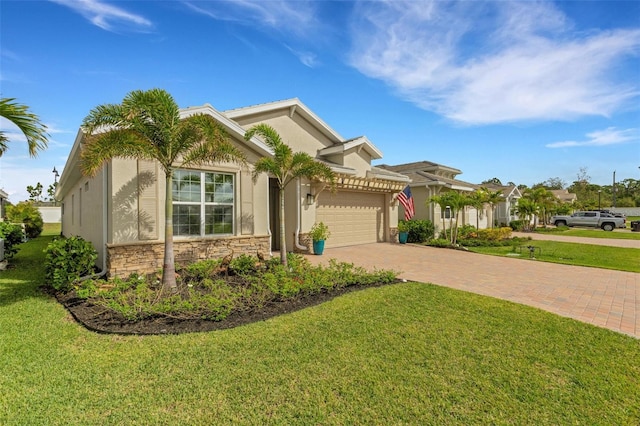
(505, 211)
(121, 209)
(429, 179)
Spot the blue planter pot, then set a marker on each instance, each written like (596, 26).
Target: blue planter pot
(402, 237)
(318, 247)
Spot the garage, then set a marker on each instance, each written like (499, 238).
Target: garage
(352, 217)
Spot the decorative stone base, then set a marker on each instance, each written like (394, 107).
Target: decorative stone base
(145, 257)
(304, 241)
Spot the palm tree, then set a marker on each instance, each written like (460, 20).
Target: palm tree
(493, 198)
(478, 198)
(285, 166)
(526, 208)
(455, 201)
(28, 123)
(542, 198)
(147, 125)
(440, 201)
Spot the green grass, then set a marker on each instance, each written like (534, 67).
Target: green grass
(401, 354)
(592, 233)
(622, 259)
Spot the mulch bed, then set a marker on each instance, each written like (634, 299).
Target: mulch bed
(103, 320)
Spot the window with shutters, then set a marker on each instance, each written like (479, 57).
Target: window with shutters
(203, 203)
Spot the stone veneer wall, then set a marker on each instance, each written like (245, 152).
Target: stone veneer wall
(305, 241)
(144, 258)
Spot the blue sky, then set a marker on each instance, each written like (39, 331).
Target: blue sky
(522, 91)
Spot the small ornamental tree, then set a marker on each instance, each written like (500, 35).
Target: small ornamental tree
(26, 212)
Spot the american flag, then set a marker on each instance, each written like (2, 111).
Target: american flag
(406, 199)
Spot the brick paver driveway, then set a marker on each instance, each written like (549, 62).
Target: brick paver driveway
(601, 297)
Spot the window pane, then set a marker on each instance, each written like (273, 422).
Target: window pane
(186, 220)
(218, 220)
(186, 186)
(218, 188)
(209, 187)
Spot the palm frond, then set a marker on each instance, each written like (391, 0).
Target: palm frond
(267, 133)
(203, 139)
(28, 123)
(122, 143)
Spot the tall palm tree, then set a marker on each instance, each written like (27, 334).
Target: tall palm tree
(526, 208)
(456, 202)
(147, 125)
(478, 198)
(542, 198)
(493, 198)
(285, 166)
(442, 202)
(28, 123)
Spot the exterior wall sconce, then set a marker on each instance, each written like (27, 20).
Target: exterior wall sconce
(310, 199)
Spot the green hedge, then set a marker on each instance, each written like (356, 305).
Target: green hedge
(68, 259)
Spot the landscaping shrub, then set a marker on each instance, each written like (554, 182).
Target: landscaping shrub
(12, 234)
(518, 225)
(68, 259)
(419, 230)
(495, 234)
(244, 264)
(26, 212)
(439, 242)
(207, 292)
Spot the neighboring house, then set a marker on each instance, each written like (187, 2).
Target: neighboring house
(4, 198)
(429, 179)
(121, 209)
(505, 211)
(564, 195)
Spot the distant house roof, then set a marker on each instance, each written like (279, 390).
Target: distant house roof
(426, 173)
(424, 166)
(509, 191)
(564, 195)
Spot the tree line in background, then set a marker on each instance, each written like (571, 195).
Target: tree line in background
(590, 196)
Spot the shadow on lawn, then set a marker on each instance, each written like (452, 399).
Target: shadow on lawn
(25, 273)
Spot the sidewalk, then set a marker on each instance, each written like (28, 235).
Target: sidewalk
(601, 297)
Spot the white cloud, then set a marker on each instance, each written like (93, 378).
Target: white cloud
(482, 63)
(286, 16)
(106, 16)
(609, 136)
(295, 21)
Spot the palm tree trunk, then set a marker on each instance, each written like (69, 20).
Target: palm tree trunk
(168, 267)
(283, 234)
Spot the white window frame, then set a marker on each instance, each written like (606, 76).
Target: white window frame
(203, 204)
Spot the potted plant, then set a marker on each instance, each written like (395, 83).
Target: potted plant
(319, 233)
(403, 231)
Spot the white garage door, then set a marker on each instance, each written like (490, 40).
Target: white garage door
(352, 217)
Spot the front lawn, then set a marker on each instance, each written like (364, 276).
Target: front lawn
(619, 234)
(401, 354)
(618, 258)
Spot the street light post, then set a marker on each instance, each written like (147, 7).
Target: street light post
(599, 193)
(614, 189)
(56, 175)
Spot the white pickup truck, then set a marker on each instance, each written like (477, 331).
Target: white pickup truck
(591, 219)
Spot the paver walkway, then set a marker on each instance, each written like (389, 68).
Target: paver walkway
(601, 297)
